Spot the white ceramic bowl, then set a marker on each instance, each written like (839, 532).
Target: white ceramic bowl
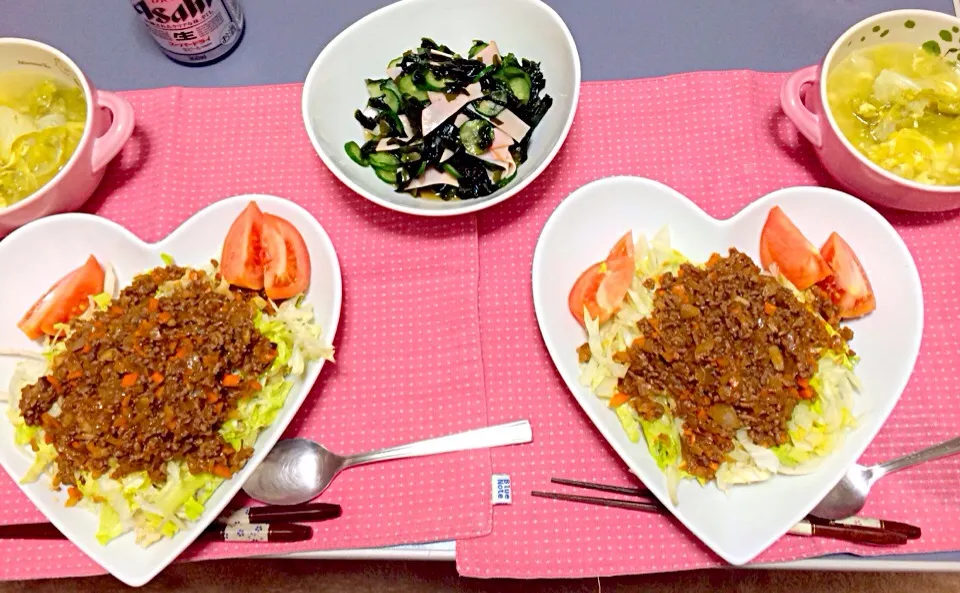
(31, 261)
(741, 524)
(334, 86)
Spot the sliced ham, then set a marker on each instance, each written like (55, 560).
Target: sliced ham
(512, 125)
(440, 109)
(394, 72)
(388, 144)
(407, 128)
(461, 119)
(488, 54)
(447, 155)
(433, 177)
(500, 157)
(500, 139)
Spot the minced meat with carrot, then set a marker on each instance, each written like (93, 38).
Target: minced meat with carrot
(151, 379)
(733, 349)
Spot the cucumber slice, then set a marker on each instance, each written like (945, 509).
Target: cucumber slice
(423, 167)
(478, 46)
(391, 99)
(476, 136)
(512, 72)
(353, 151)
(406, 86)
(373, 87)
(520, 87)
(384, 160)
(449, 169)
(395, 62)
(505, 181)
(500, 95)
(434, 82)
(389, 85)
(387, 175)
(488, 108)
(484, 72)
(409, 157)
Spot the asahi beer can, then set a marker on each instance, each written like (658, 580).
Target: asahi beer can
(193, 32)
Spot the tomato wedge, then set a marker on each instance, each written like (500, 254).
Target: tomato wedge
(623, 248)
(602, 287)
(848, 287)
(781, 242)
(240, 261)
(66, 299)
(286, 261)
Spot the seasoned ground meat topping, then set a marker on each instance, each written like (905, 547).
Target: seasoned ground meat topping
(732, 349)
(151, 379)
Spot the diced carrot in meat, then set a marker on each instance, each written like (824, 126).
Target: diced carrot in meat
(129, 380)
(73, 496)
(231, 380)
(222, 471)
(618, 399)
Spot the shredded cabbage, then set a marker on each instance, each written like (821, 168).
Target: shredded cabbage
(134, 502)
(815, 429)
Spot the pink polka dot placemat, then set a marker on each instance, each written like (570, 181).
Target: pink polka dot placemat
(720, 139)
(408, 347)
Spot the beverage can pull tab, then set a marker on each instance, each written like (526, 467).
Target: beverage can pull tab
(193, 32)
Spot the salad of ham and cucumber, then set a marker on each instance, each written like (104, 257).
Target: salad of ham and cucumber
(441, 125)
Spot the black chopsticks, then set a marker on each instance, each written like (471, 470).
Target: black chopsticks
(861, 530)
(249, 524)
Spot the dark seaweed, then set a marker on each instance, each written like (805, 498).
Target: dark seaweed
(459, 72)
(474, 181)
(427, 43)
(368, 123)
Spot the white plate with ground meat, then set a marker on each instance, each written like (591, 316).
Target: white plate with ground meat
(675, 346)
(190, 367)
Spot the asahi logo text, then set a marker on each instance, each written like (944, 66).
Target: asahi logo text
(188, 9)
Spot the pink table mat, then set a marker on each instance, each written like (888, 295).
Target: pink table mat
(721, 139)
(408, 347)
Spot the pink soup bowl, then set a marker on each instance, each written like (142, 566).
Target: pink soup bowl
(108, 126)
(807, 109)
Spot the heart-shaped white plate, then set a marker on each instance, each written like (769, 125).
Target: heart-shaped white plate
(36, 255)
(742, 523)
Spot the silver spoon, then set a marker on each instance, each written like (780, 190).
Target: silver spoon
(850, 494)
(297, 470)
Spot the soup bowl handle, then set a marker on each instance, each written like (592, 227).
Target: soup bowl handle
(107, 146)
(792, 103)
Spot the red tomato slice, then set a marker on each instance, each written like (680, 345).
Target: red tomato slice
(781, 242)
(286, 260)
(240, 262)
(616, 282)
(66, 299)
(848, 287)
(601, 289)
(584, 293)
(623, 248)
